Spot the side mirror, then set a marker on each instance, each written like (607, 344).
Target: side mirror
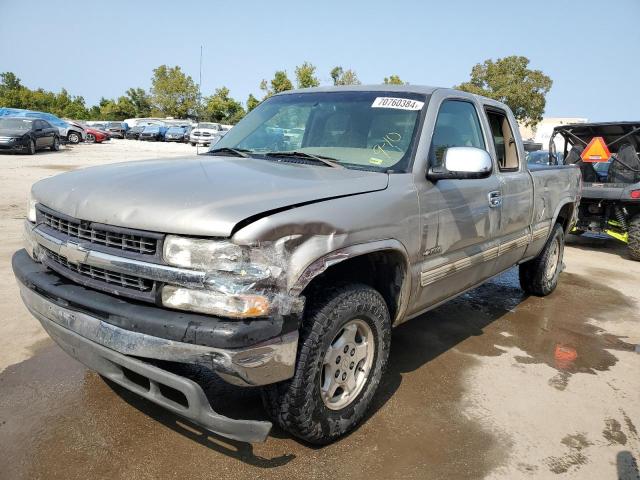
(462, 163)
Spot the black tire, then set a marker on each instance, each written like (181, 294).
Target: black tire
(74, 138)
(296, 405)
(634, 238)
(56, 144)
(90, 138)
(31, 149)
(539, 276)
(192, 144)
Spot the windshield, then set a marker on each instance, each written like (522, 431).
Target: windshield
(152, 129)
(175, 130)
(15, 124)
(370, 130)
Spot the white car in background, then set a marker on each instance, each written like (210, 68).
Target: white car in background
(205, 133)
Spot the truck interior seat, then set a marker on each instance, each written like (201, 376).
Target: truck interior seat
(573, 158)
(619, 173)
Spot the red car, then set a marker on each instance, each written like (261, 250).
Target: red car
(95, 136)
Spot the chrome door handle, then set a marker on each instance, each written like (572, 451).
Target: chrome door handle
(495, 199)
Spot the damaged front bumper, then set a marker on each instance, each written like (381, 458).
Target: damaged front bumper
(105, 333)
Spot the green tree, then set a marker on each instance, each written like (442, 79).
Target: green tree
(220, 107)
(306, 76)
(393, 80)
(174, 94)
(279, 83)
(344, 77)
(509, 80)
(252, 102)
(140, 100)
(118, 109)
(11, 90)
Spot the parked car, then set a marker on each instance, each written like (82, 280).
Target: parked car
(287, 268)
(69, 133)
(117, 129)
(27, 135)
(610, 202)
(203, 132)
(541, 157)
(134, 133)
(176, 134)
(96, 136)
(153, 133)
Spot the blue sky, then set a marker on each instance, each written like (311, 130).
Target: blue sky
(589, 48)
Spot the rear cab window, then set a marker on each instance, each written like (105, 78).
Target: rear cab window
(504, 140)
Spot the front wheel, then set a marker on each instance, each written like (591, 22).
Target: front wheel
(90, 138)
(31, 148)
(539, 276)
(342, 354)
(73, 137)
(634, 238)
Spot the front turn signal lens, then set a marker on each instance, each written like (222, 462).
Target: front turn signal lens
(214, 303)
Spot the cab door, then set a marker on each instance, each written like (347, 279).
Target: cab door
(460, 218)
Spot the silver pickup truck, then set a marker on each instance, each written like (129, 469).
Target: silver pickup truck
(284, 257)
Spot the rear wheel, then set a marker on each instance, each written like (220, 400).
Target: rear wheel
(539, 276)
(74, 137)
(634, 238)
(342, 353)
(56, 144)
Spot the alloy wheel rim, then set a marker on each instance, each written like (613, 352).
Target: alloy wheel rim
(347, 364)
(554, 258)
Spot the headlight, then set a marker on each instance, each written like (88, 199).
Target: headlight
(239, 280)
(201, 254)
(31, 209)
(206, 301)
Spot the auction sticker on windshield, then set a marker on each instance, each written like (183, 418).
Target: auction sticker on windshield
(398, 103)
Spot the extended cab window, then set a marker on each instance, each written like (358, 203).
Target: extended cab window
(457, 125)
(503, 140)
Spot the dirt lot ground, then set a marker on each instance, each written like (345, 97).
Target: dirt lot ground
(492, 385)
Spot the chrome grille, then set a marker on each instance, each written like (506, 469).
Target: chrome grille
(86, 231)
(101, 275)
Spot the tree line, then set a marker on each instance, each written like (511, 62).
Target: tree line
(175, 94)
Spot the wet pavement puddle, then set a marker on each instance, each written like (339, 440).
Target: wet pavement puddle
(57, 420)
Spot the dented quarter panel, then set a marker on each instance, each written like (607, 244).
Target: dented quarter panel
(318, 230)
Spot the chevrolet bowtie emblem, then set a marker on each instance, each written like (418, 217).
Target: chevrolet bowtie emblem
(73, 252)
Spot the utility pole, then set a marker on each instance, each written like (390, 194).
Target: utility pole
(200, 86)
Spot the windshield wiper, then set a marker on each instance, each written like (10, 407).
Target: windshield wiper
(238, 152)
(329, 161)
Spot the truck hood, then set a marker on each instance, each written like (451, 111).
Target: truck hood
(206, 196)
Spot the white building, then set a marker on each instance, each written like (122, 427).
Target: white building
(541, 133)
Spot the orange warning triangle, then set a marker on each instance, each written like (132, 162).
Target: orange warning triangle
(596, 151)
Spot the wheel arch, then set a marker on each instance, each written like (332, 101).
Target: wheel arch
(565, 214)
(383, 265)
